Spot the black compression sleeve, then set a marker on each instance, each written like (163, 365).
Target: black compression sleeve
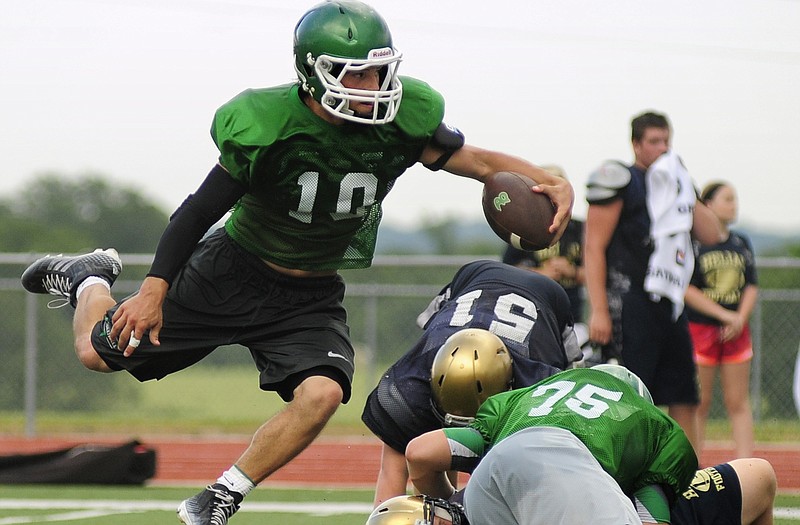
(215, 196)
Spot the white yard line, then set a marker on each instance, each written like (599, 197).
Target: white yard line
(787, 513)
(65, 516)
(120, 506)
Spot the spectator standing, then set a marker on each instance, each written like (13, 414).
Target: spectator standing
(721, 298)
(646, 330)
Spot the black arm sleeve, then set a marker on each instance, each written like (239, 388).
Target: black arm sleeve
(201, 209)
(447, 139)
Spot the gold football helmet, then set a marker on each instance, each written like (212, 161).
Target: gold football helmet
(470, 366)
(416, 510)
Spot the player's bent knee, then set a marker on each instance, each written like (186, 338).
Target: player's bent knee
(768, 474)
(758, 468)
(89, 357)
(320, 392)
(757, 474)
(93, 362)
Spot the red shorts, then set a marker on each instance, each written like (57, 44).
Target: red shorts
(710, 351)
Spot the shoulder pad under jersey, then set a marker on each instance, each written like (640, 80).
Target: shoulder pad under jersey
(605, 182)
(422, 109)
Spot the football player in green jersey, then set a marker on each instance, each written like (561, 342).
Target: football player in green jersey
(739, 492)
(304, 167)
(592, 432)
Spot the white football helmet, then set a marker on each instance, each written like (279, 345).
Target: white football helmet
(620, 372)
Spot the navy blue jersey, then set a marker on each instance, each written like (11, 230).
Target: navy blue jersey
(630, 248)
(529, 312)
(569, 246)
(722, 272)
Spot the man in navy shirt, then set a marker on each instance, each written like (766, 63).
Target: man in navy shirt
(636, 328)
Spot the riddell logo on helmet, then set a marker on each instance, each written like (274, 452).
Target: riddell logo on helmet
(381, 53)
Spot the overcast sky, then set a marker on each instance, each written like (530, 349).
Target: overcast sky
(127, 88)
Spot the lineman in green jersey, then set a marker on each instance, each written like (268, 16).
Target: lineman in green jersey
(305, 168)
(583, 432)
(741, 491)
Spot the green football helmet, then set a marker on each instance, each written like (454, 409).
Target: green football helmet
(470, 366)
(416, 510)
(341, 36)
(620, 372)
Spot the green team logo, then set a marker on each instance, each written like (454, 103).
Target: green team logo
(106, 332)
(501, 200)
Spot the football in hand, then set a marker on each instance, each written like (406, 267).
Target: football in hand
(516, 214)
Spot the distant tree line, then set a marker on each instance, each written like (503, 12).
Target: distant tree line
(54, 214)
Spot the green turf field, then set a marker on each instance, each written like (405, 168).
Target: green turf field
(164, 408)
(91, 505)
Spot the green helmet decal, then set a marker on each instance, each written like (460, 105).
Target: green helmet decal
(338, 37)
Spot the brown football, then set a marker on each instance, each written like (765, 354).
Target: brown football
(516, 214)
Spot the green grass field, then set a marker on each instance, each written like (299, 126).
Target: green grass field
(90, 505)
(189, 403)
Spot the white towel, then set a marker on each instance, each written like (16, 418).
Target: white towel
(670, 203)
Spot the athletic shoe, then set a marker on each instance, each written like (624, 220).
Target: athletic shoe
(60, 275)
(213, 506)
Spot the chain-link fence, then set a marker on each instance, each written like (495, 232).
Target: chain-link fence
(40, 372)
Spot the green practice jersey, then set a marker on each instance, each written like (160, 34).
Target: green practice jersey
(633, 440)
(314, 189)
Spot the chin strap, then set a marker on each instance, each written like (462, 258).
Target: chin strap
(450, 420)
(437, 507)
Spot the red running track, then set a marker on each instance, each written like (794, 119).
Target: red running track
(343, 462)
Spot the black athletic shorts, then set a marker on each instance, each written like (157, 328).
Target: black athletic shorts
(293, 327)
(658, 349)
(713, 498)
